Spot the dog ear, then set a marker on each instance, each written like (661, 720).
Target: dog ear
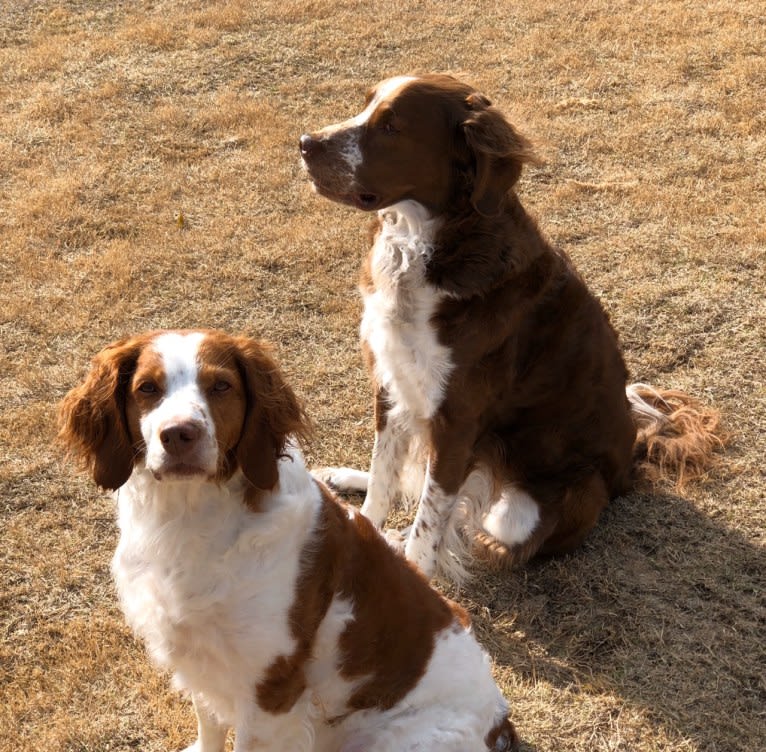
(499, 153)
(274, 415)
(92, 423)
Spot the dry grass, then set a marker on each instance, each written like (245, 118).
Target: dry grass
(117, 117)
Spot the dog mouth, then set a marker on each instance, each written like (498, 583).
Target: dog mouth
(179, 471)
(358, 199)
(367, 201)
(362, 201)
(337, 184)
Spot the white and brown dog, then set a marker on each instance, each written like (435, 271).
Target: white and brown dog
(497, 375)
(283, 613)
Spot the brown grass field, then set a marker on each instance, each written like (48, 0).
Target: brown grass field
(118, 118)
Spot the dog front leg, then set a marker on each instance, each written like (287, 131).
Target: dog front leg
(448, 464)
(434, 511)
(275, 732)
(446, 472)
(211, 734)
(389, 453)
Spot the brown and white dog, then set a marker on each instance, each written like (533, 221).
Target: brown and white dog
(283, 613)
(495, 370)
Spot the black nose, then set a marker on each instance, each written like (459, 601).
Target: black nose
(309, 145)
(178, 438)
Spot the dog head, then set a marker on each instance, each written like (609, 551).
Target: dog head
(431, 139)
(186, 404)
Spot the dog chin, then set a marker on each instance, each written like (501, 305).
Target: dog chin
(180, 472)
(359, 200)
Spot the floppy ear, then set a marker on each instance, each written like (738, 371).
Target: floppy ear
(274, 415)
(92, 423)
(499, 153)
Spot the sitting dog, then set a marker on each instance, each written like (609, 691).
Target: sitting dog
(283, 613)
(497, 376)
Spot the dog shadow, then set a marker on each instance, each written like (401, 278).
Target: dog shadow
(662, 607)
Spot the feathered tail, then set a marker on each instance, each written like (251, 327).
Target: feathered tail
(677, 436)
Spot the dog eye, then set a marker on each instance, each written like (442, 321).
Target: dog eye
(148, 387)
(389, 128)
(221, 386)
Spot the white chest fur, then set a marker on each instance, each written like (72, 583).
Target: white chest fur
(410, 362)
(207, 584)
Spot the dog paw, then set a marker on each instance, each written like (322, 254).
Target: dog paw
(397, 539)
(326, 475)
(342, 479)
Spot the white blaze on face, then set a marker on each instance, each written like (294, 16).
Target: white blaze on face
(183, 401)
(348, 132)
(385, 89)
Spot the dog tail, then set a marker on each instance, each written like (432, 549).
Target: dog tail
(677, 436)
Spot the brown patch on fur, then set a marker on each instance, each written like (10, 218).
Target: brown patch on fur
(93, 425)
(502, 737)
(286, 679)
(500, 152)
(397, 617)
(273, 413)
(284, 683)
(396, 614)
(460, 614)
